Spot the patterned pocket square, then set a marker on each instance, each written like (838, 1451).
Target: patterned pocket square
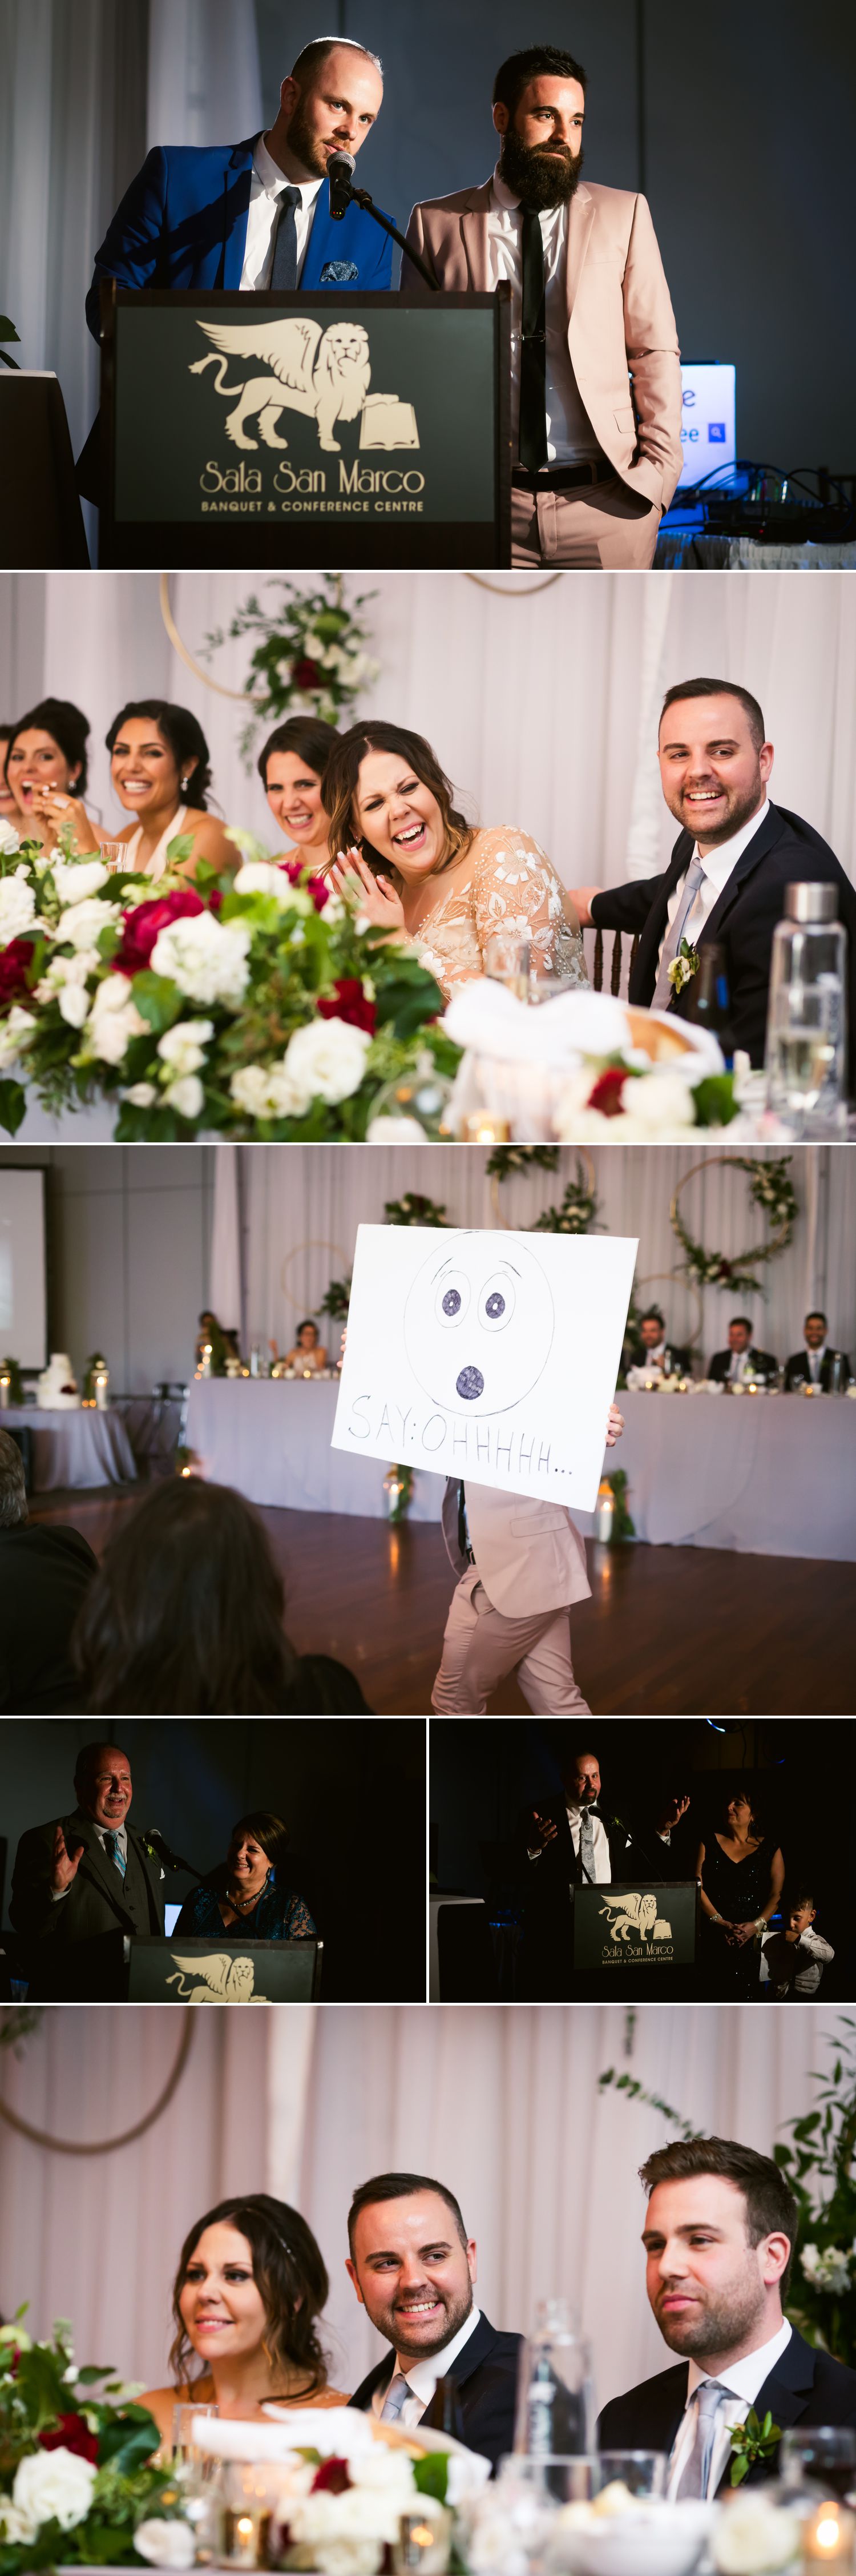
(338, 272)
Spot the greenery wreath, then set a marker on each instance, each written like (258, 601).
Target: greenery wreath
(413, 1209)
(309, 656)
(770, 1189)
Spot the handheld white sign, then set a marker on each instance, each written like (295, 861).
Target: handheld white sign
(491, 1356)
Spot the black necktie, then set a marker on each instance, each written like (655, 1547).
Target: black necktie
(533, 347)
(284, 270)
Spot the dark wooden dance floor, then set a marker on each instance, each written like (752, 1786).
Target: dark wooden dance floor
(669, 1631)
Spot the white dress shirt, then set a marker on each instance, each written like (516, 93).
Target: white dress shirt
(815, 1362)
(266, 188)
(742, 2381)
(57, 1893)
(741, 1367)
(718, 866)
(600, 1845)
(570, 435)
(422, 2376)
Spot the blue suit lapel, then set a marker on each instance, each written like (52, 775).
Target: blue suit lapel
(237, 178)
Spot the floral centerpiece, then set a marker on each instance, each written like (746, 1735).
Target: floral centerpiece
(309, 654)
(78, 2483)
(332, 2490)
(252, 1004)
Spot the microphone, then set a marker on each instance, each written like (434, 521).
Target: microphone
(340, 171)
(171, 1860)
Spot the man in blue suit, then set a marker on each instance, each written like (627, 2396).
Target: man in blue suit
(255, 214)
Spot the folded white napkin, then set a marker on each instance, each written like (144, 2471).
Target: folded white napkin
(486, 1017)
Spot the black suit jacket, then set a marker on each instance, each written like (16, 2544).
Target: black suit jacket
(75, 1945)
(797, 1370)
(485, 2374)
(805, 2387)
(45, 1574)
(784, 851)
(558, 1866)
(763, 1363)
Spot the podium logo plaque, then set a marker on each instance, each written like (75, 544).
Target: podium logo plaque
(219, 1979)
(646, 1928)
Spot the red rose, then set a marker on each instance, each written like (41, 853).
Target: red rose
(295, 871)
(71, 2433)
(306, 674)
(333, 2476)
(607, 1093)
(14, 962)
(349, 1002)
(143, 925)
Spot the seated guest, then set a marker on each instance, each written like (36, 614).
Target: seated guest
(742, 1875)
(813, 1366)
(160, 768)
(735, 855)
(413, 2267)
(184, 1618)
(47, 770)
(719, 2241)
(45, 1574)
(84, 1882)
(741, 1360)
(308, 1352)
(9, 815)
(794, 1956)
(291, 768)
(412, 865)
(654, 1355)
(250, 2287)
(246, 1897)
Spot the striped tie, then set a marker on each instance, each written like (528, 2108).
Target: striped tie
(112, 1848)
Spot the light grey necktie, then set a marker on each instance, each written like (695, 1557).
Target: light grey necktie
(696, 2470)
(587, 1846)
(694, 878)
(398, 2390)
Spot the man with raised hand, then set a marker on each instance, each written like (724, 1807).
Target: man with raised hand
(84, 1883)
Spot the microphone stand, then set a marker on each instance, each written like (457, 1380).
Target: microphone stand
(360, 197)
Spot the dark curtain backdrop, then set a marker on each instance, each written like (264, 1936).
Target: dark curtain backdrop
(736, 121)
(353, 1797)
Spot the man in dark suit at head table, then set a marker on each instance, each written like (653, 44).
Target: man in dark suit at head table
(735, 856)
(742, 1359)
(719, 2237)
(82, 1884)
(45, 1574)
(813, 1366)
(413, 2268)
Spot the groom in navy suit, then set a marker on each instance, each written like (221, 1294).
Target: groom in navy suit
(255, 214)
(719, 2238)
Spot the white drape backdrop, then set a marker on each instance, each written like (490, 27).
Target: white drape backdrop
(204, 81)
(301, 1210)
(501, 2103)
(541, 703)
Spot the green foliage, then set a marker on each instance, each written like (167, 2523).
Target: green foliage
(622, 1525)
(506, 1159)
(715, 1104)
(13, 1105)
(752, 2441)
(309, 653)
(431, 2475)
(772, 1190)
(414, 1209)
(337, 1300)
(38, 2387)
(578, 1211)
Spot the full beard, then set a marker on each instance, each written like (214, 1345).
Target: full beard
(456, 2315)
(712, 833)
(538, 176)
(713, 2329)
(305, 146)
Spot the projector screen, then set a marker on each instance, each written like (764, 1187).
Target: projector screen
(23, 1287)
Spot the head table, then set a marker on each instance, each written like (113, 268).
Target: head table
(767, 1475)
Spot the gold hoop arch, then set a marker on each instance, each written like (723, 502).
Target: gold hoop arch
(313, 1243)
(660, 1278)
(586, 1159)
(756, 1251)
(244, 697)
(108, 2146)
(526, 590)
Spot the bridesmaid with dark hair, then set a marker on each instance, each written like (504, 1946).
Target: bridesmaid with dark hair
(742, 1874)
(250, 2288)
(291, 768)
(47, 775)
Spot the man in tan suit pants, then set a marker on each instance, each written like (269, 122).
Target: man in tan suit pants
(595, 365)
(521, 1565)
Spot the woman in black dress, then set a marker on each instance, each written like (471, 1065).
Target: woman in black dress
(247, 1898)
(742, 1875)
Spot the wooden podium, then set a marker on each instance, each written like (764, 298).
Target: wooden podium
(268, 431)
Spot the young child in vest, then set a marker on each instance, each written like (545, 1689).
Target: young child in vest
(793, 1959)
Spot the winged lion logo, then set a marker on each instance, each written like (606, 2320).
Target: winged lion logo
(632, 1914)
(225, 1980)
(324, 374)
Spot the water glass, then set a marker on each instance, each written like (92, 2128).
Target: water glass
(113, 855)
(508, 961)
(823, 2453)
(183, 2446)
(643, 2473)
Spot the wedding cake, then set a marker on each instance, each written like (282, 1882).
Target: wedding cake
(57, 1390)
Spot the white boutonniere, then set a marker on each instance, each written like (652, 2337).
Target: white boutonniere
(684, 966)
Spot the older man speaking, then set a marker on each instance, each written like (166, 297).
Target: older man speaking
(82, 1883)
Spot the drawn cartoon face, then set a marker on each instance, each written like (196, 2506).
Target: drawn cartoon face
(478, 1325)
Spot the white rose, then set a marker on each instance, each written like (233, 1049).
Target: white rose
(328, 1059)
(113, 1021)
(67, 970)
(141, 1096)
(17, 907)
(268, 1091)
(753, 2537)
(81, 925)
(53, 2486)
(9, 839)
(661, 1100)
(74, 1005)
(76, 879)
(260, 876)
(183, 1046)
(205, 957)
(187, 1096)
(165, 2544)
(16, 1032)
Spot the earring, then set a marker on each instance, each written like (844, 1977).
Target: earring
(184, 786)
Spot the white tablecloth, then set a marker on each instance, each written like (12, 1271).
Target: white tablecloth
(74, 1449)
(766, 1475)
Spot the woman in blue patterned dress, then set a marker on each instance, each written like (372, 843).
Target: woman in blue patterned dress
(246, 1897)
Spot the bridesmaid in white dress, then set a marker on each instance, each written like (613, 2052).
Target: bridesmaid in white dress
(159, 765)
(420, 870)
(291, 768)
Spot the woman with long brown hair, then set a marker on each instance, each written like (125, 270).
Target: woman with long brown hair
(249, 2291)
(409, 862)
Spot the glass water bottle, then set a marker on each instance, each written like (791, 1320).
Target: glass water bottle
(555, 2402)
(806, 1018)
